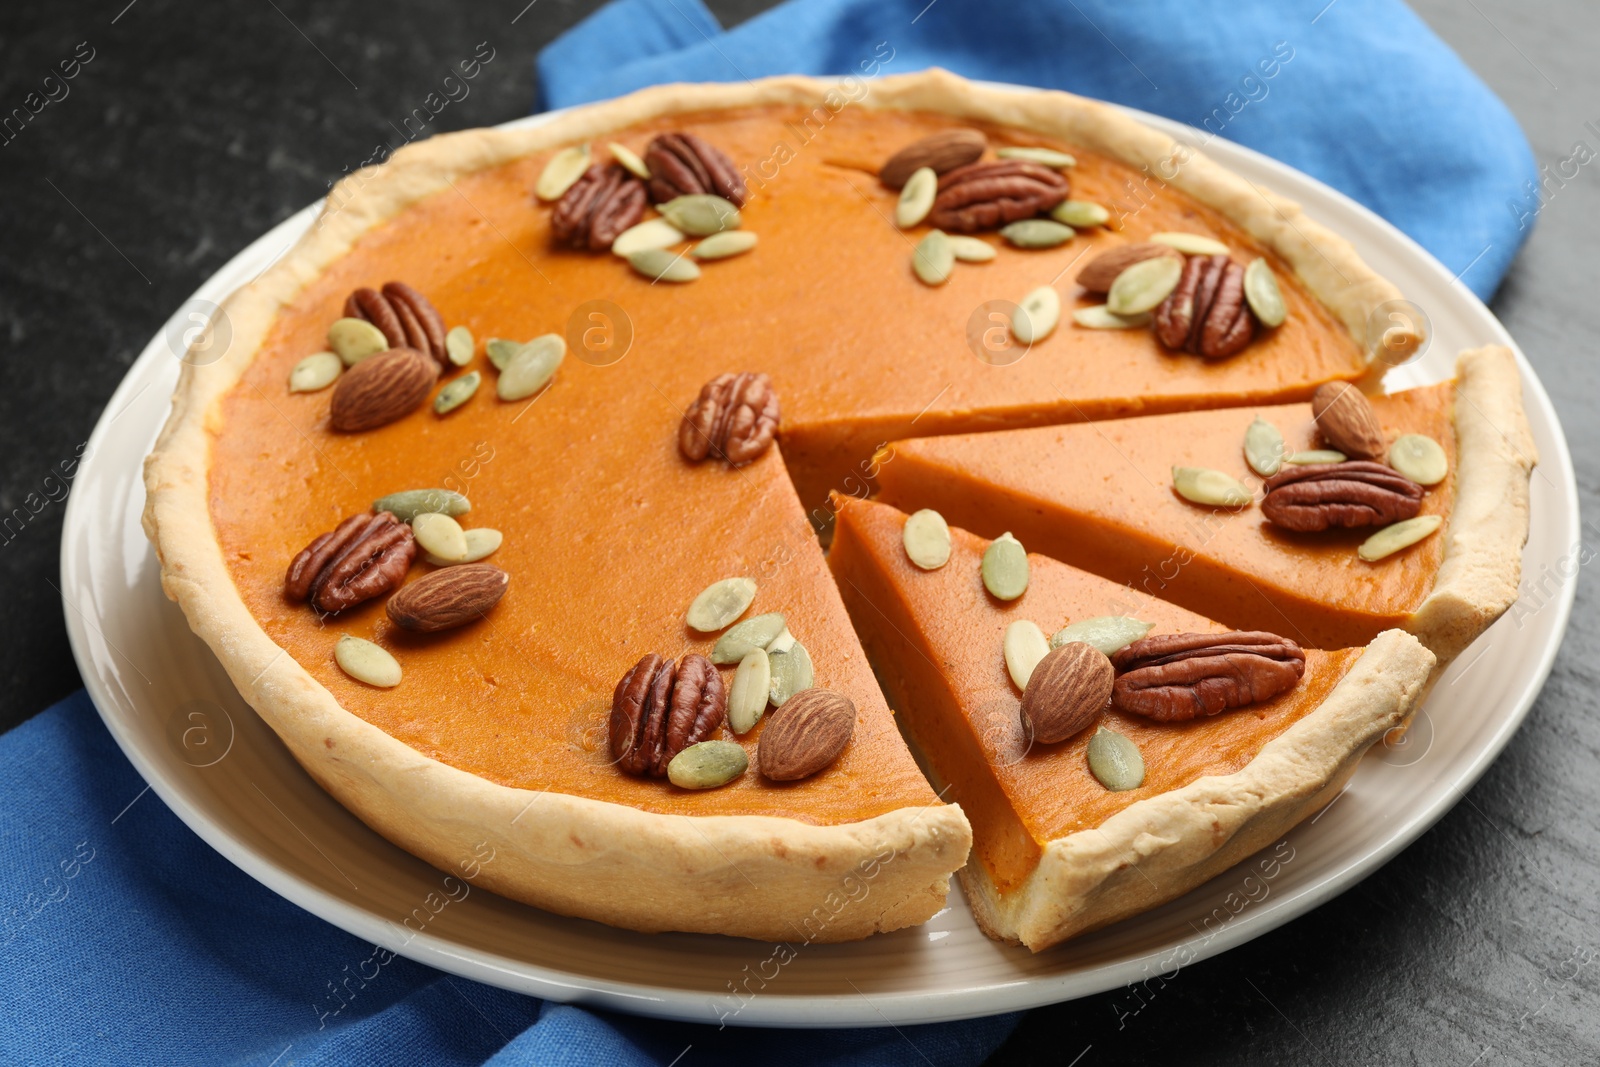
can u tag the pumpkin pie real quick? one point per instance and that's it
(1101, 497)
(1056, 853)
(539, 722)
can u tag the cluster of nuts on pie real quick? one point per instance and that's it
(600, 205)
(1358, 481)
(1069, 680)
(1197, 297)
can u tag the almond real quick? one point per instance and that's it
(1066, 692)
(1098, 274)
(381, 389)
(450, 597)
(806, 734)
(1346, 421)
(940, 152)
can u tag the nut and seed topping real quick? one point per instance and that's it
(1068, 690)
(1100, 317)
(1202, 485)
(629, 159)
(664, 265)
(531, 369)
(353, 340)
(735, 418)
(1419, 458)
(447, 598)
(1045, 157)
(685, 164)
(366, 662)
(661, 708)
(1005, 568)
(708, 765)
(725, 244)
(986, 196)
(933, 259)
(1036, 316)
(598, 207)
(409, 503)
(406, 318)
(563, 169)
(756, 632)
(481, 543)
(970, 249)
(1175, 677)
(1143, 286)
(1391, 539)
(365, 556)
(792, 672)
(1264, 448)
(651, 233)
(1080, 214)
(459, 345)
(747, 695)
(1262, 292)
(805, 735)
(1315, 455)
(1097, 275)
(1115, 761)
(926, 537)
(1107, 633)
(1037, 233)
(1347, 422)
(939, 152)
(381, 389)
(439, 535)
(1325, 495)
(719, 604)
(1207, 313)
(916, 198)
(701, 214)
(1191, 244)
(315, 372)
(456, 393)
(1024, 645)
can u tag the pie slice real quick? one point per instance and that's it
(1100, 496)
(1057, 853)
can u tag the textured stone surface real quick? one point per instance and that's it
(195, 128)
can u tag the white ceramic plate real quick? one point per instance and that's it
(172, 709)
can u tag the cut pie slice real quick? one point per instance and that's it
(1056, 853)
(1101, 497)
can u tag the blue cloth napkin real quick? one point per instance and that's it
(125, 939)
(1358, 93)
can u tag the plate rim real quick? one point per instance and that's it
(807, 1009)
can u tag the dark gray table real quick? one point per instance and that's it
(191, 129)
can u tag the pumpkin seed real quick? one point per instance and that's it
(1109, 634)
(724, 244)
(1045, 157)
(708, 765)
(1036, 316)
(927, 539)
(459, 345)
(1264, 448)
(456, 393)
(531, 369)
(562, 172)
(1080, 214)
(315, 372)
(700, 214)
(629, 159)
(1115, 761)
(747, 693)
(1202, 485)
(409, 503)
(1005, 567)
(366, 662)
(1315, 455)
(1262, 292)
(719, 604)
(933, 258)
(440, 535)
(916, 198)
(1191, 244)
(1024, 646)
(356, 339)
(970, 249)
(500, 351)
(1100, 317)
(661, 265)
(481, 543)
(754, 633)
(782, 643)
(651, 233)
(1038, 233)
(1419, 458)
(1144, 285)
(1391, 539)
(791, 673)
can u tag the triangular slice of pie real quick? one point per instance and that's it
(1101, 496)
(1055, 852)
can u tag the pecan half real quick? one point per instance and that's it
(365, 556)
(735, 417)
(598, 207)
(986, 196)
(1318, 496)
(683, 164)
(1207, 313)
(406, 317)
(1174, 677)
(661, 708)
